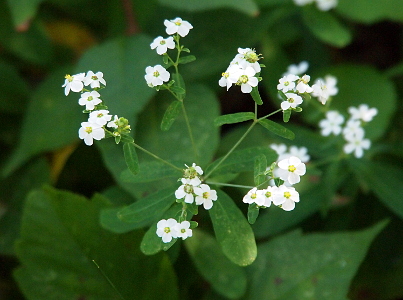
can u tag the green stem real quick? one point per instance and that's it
(109, 281)
(190, 132)
(157, 157)
(232, 149)
(229, 184)
(269, 115)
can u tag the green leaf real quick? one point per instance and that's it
(256, 96)
(286, 115)
(187, 59)
(202, 108)
(384, 179)
(150, 171)
(22, 11)
(170, 115)
(131, 158)
(60, 239)
(253, 213)
(241, 160)
(225, 277)
(177, 90)
(246, 6)
(360, 11)
(277, 129)
(326, 27)
(234, 118)
(233, 231)
(260, 167)
(149, 208)
(319, 265)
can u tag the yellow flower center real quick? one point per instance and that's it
(69, 77)
(88, 129)
(291, 100)
(206, 195)
(167, 230)
(156, 74)
(162, 42)
(243, 79)
(268, 194)
(177, 23)
(291, 168)
(253, 196)
(90, 98)
(94, 77)
(183, 230)
(287, 195)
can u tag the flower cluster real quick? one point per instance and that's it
(290, 170)
(99, 117)
(243, 71)
(157, 75)
(193, 190)
(168, 229)
(324, 5)
(353, 132)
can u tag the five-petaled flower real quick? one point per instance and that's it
(177, 25)
(162, 45)
(291, 169)
(167, 229)
(156, 75)
(90, 131)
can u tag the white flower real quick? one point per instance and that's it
(291, 169)
(247, 57)
(167, 229)
(90, 131)
(156, 75)
(183, 230)
(255, 196)
(299, 69)
(177, 26)
(230, 76)
(323, 89)
(293, 100)
(286, 197)
(100, 117)
(287, 83)
(279, 148)
(90, 99)
(245, 78)
(113, 123)
(205, 196)
(187, 191)
(162, 44)
(357, 144)
(332, 123)
(74, 83)
(301, 153)
(268, 194)
(94, 80)
(303, 2)
(326, 5)
(363, 112)
(303, 86)
(353, 127)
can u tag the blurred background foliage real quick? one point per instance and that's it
(335, 243)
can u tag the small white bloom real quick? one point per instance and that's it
(293, 100)
(303, 2)
(156, 75)
(326, 5)
(268, 194)
(281, 151)
(177, 26)
(286, 197)
(162, 44)
(324, 89)
(255, 196)
(230, 76)
(303, 86)
(113, 123)
(357, 144)
(247, 57)
(187, 191)
(74, 83)
(90, 131)
(291, 169)
(332, 123)
(353, 127)
(299, 69)
(94, 80)
(167, 229)
(100, 117)
(287, 83)
(245, 78)
(183, 230)
(205, 196)
(363, 112)
(90, 99)
(301, 153)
